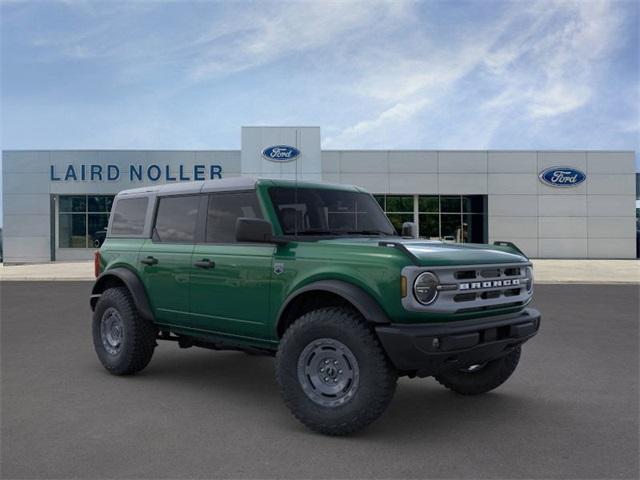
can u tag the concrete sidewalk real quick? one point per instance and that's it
(546, 271)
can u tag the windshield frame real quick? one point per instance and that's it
(383, 226)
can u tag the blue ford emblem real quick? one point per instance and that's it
(562, 177)
(281, 153)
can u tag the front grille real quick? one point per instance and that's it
(477, 288)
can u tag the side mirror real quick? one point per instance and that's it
(409, 229)
(253, 230)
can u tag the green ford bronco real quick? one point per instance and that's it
(317, 276)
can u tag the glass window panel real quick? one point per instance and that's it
(313, 211)
(176, 219)
(224, 210)
(72, 228)
(73, 203)
(101, 203)
(97, 228)
(397, 219)
(429, 204)
(475, 226)
(450, 204)
(451, 229)
(474, 203)
(380, 200)
(129, 216)
(397, 203)
(429, 226)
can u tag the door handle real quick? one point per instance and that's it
(204, 263)
(149, 260)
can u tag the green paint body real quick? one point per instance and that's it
(241, 298)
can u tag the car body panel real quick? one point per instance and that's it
(242, 296)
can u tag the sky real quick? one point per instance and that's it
(374, 74)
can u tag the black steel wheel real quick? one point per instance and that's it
(332, 372)
(123, 341)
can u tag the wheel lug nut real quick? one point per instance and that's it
(335, 362)
(339, 371)
(326, 362)
(335, 380)
(326, 379)
(322, 369)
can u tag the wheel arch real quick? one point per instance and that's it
(123, 277)
(328, 293)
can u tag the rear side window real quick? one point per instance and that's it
(176, 219)
(224, 210)
(129, 215)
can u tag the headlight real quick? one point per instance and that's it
(425, 288)
(529, 279)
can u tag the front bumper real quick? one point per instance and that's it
(428, 349)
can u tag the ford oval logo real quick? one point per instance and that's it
(281, 153)
(562, 177)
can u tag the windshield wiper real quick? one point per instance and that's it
(344, 232)
(370, 232)
(319, 232)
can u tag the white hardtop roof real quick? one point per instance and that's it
(220, 185)
(224, 185)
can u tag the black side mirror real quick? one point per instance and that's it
(254, 230)
(409, 229)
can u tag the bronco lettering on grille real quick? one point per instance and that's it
(489, 284)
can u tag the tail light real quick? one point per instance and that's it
(96, 263)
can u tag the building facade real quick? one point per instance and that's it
(552, 204)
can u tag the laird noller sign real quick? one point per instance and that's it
(133, 173)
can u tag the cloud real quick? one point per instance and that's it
(395, 74)
(539, 60)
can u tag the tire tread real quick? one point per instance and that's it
(341, 318)
(141, 331)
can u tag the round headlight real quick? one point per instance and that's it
(529, 280)
(425, 288)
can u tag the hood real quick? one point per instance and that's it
(436, 253)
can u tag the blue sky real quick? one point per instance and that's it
(402, 74)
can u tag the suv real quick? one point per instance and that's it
(316, 276)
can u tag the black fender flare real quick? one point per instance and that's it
(132, 281)
(356, 296)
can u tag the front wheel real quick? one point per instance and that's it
(332, 372)
(481, 378)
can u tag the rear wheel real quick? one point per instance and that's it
(332, 372)
(123, 341)
(481, 378)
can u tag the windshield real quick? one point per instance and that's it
(316, 211)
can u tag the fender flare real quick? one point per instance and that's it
(132, 282)
(356, 296)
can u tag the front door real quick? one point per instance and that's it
(230, 281)
(165, 259)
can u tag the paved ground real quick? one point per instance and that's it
(546, 271)
(570, 411)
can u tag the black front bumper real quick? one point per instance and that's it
(428, 349)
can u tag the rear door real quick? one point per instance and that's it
(165, 259)
(230, 281)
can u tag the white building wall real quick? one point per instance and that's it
(29, 192)
(593, 220)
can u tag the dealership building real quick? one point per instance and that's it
(551, 204)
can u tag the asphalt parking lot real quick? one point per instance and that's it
(569, 411)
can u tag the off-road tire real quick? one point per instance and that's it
(377, 377)
(138, 337)
(490, 376)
